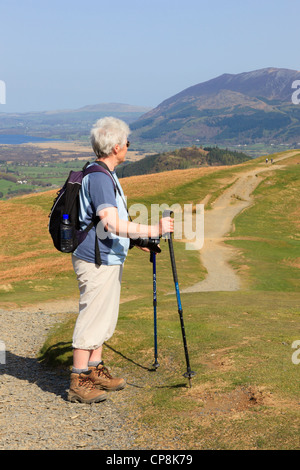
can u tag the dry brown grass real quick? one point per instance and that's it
(34, 269)
(26, 250)
(145, 185)
(293, 263)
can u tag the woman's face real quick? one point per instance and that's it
(121, 154)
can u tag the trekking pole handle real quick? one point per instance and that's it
(167, 213)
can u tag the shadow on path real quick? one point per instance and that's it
(30, 370)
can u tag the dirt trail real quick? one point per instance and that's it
(219, 221)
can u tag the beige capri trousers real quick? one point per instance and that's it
(100, 288)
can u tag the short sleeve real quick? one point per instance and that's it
(102, 191)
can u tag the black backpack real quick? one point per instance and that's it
(67, 202)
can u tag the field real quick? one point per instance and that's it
(30, 168)
(245, 394)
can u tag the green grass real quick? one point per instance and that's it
(39, 291)
(236, 340)
(246, 326)
(239, 343)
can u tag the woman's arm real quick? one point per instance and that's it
(112, 223)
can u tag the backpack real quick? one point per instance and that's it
(67, 202)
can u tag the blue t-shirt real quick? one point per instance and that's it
(96, 193)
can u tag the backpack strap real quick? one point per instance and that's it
(103, 165)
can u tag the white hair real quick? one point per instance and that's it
(106, 133)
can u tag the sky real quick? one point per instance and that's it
(65, 54)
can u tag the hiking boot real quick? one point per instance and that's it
(82, 389)
(104, 381)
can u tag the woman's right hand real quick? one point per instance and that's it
(166, 225)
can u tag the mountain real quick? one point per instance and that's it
(244, 108)
(180, 159)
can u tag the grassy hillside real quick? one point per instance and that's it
(246, 390)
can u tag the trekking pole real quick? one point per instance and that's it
(189, 373)
(153, 261)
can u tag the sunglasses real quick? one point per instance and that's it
(127, 143)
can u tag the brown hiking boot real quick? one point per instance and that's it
(104, 381)
(82, 389)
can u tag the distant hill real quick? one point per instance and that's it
(67, 124)
(181, 159)
(114, 108)
(231, 109)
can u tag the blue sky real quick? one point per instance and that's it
(64, 54)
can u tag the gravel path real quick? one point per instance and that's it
(34, 412)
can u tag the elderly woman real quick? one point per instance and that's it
(100, 285)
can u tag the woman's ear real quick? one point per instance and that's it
(116, 149)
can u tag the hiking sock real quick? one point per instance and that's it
(95, 363)
(79, 371)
